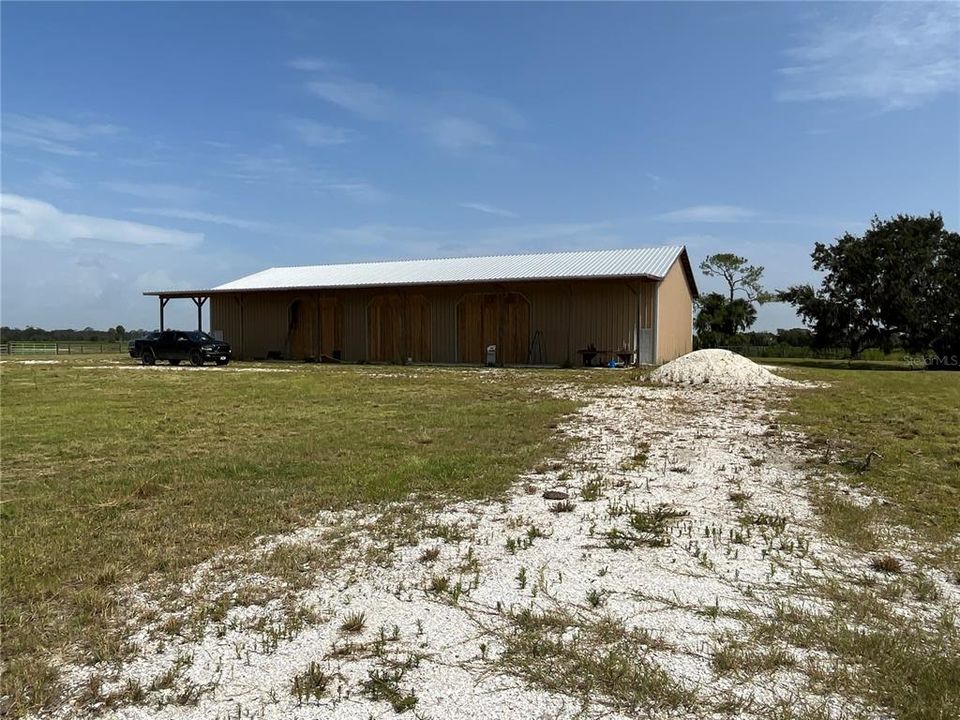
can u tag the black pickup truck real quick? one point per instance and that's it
(176, 346)
(135, 346)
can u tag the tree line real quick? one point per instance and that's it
(88, 334)
(896, 286)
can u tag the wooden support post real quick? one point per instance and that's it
(163, 304)
(199, 301)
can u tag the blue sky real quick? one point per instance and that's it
(155, 145)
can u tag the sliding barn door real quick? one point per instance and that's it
(516, 330)
(301, 332)
(330, 315)
(417, 328)
(399, 327)
(501, 319)
(384, 319)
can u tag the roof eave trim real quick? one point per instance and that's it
(555, 278)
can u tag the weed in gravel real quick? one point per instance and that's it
(429, 555)
(534, 532)
(901, 663)
(739, 658)
(592, 490)
(439, 584)
(311, 683)
(564, 506)
(293, 563)
(595, 598)
(448, 532)
(924, 589)
(775, 521)
(168, 678)
(354, 622)
(656, 520)
(603, 662)
(522, 578)
(638, 459)
(383, 683)
(649, 527)
(887, 564)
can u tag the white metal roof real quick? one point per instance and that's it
(653, 262)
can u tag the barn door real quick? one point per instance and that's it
(516, 330)
(399, 327)
(330, 315)
(300, 330)
(417, 328)
(501, 319)
(384, 329)
(469, 338)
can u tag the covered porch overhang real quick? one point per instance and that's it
(199, 298)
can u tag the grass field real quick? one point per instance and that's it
(111, 475)
(895, 435)
(911, 420)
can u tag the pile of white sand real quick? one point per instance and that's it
(716, 367)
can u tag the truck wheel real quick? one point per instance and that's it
(174, 362)
(196, 358)
(148, 357)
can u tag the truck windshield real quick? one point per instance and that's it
(200, 337)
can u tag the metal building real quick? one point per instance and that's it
(635, 305)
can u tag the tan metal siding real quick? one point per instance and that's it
(569, 314)
(675, 315)
(225, 319)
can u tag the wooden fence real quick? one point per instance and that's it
(62, 348)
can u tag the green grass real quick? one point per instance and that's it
(912, 419)
(905, 663)
(863, 646)
(604, 663)
(111, 476)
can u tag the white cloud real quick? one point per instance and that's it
(708, 214)
(153, 191)
(488, 209)
(273, 165)
(268, 165)
(205, 217)
(51, 135)
(35, 220)
(314, 64)
(360, 191)
(365, 99)
(895, 54)
(53, 179)
(316, 134)
(453, 120)
(457, 133)
(385, 241)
